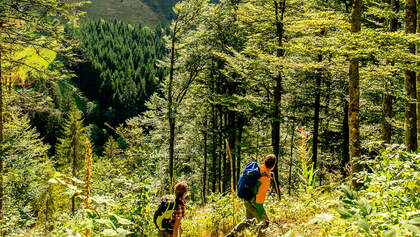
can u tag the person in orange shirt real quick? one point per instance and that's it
(254, 208)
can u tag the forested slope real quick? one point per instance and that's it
(119, 71)
(100, 119)
(148, 12)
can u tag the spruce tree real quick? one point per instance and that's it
(70, 147)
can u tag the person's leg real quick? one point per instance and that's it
(163, 233)
(251, 218)
(263, 226)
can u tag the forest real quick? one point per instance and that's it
(100, 118)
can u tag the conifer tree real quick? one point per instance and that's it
(24, 166)
(70, 147)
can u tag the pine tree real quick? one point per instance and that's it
(70, 147)
(121, 69)
(24, 167)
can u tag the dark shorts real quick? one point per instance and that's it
(164, 233)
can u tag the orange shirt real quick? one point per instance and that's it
(265, 185)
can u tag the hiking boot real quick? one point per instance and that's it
(230, 235)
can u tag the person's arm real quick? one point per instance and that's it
(176, 227)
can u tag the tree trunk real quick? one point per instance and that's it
(327, 104)
(387, 95)
(232, 144)
(205, 163)
(46, 217)
(171, 151)
(74, 168)
(418, 78)
(219, 165)
(410, 82)
(171, 116)
(386, 114)
(354, 92)
(393, 24)
(275, 126)
(239, 147)
(316, 116)
(1, 148)
(291, 152)
(225, 163)
(346, 142)
(213, 149)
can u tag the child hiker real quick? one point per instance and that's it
(170, 212)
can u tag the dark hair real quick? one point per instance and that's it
(270, 161)
(180, 189)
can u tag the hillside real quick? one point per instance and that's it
(116, 129)
(149, 12)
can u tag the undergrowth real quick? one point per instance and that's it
(387, 205)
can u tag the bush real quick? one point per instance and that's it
(389, 203)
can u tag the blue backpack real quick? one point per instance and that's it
(248, 180)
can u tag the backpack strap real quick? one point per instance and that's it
(264, 174)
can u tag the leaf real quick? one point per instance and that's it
(71, 233)
(415, 221)
(91, 214)
(348, 192)
(106, 222)
(349, 202)
(120, 220)
(76, 181)
(390, 233)
(109, 232)
(365, 207)
(344, 213)
(86, 224)
(123, 232)
(364, 225)
(413, 228)
(288, 234)
(124, 221)
(53, 181)
(101, 200)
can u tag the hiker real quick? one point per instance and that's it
(254, 197)
(174, 209)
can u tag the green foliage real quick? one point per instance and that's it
(390, 201)
(37, 27)
(25, 169)
(70, 146)
(96, 220)
(307, 171)
(138, 204)
(111, 149)
(120, 72)
(226, 61)
(222, 212)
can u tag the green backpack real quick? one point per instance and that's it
(163, 214)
